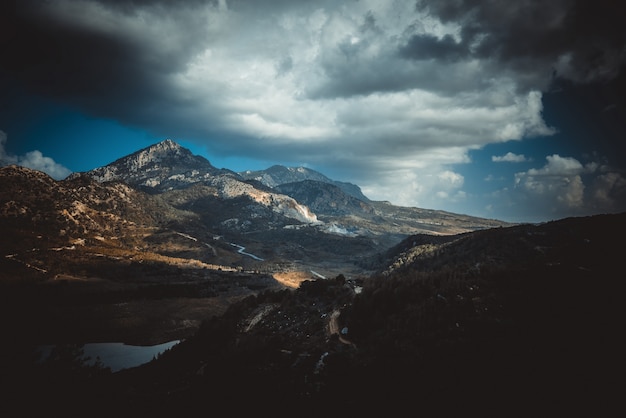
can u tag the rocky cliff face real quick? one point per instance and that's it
(230, 188)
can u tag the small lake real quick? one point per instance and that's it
(117, 356)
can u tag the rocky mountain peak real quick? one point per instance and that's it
(167, 151)
(162, 166)
(167, 166)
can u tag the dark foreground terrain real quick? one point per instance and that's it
(518, 321)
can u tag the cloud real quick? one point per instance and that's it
(609, 192)
(426, 46)
(33, 159)
(559, 180)
(386, 94)
(581, 41)
(509, 157)
(566, 187)
(426, 187)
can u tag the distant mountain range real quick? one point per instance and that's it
(278, 175)
(295, 192)
(293, 215)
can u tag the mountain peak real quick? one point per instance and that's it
(167, 145)
(163, 165)
(160, 150)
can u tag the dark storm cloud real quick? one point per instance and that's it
(117, 57)
(423, 47)
(579, 40)
(100, 59)
(530, 41)
(366, 61)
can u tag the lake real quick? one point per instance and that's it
(117, 356)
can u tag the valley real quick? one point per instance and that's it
(298, 296)
(142, 250)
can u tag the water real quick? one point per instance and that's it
(118, 356)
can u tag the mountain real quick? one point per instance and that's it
(163, 223)
(345, 208)
(167, 166)
(325, 198)
(263, 205)
(278, 175)
(157, 168)
(69, 246)
(70, 210)
(81, 228)
(170, 191)
(364, 308)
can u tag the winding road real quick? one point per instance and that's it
(242, 251)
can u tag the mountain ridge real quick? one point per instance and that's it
(139, 205)
(167, 166)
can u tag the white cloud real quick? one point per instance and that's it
(455, 180)
(37, 161)
(422, 187)
(32, 159)
(564, 186)
(558, 180)
(509, 157)
(558, 166)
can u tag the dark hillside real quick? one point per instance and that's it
(510, 320)
(519, 321)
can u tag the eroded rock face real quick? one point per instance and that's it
(231, 188)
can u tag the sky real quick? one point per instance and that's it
(509, 110)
